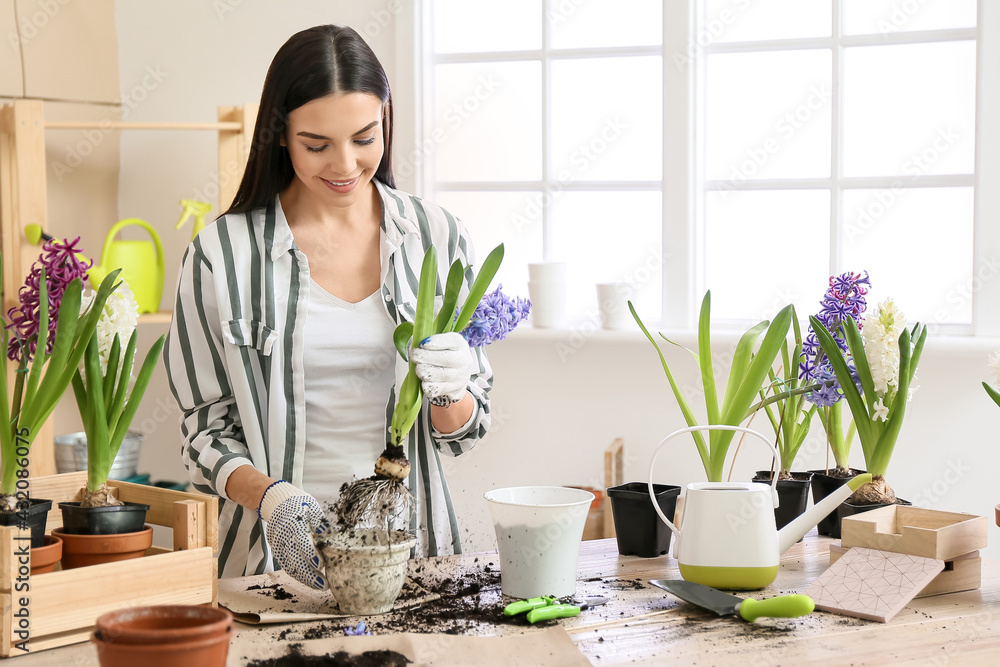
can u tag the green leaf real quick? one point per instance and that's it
(993, 393)
(479, 287)
(741, 360)
(857, 404)
(110, 379)
(445, 321)
(425, 297)
(401, 339)
(117, 402)
(98, 461)
(689, 418)
(705, 363)
(141, 382)
(857, 347)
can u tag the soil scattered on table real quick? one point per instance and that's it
(295, 658)
(275, 591)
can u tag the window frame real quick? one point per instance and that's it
(682, 184)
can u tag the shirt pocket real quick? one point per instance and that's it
(250, 333)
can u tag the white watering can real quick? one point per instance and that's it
(729, 538)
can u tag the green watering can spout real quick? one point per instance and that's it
(141, 262)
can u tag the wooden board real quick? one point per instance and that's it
(916, 531)
(872, 584)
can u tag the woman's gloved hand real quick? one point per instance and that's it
(443, 362)
(294, 519)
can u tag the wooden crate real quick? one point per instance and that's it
(63, 605)
(963, 573)
(915, 531)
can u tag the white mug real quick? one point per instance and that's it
(547, 272)
(612, 302)
(548, 304)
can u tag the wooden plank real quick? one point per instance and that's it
(188, 524)
(6, 636)
(128, 125)
(234, 149)
(613, 476)
(70, 600)
(161, 505)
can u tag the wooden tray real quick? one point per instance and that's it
(61, 606)
(964, 573)
(915, 531)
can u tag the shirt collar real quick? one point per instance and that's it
(394, 223)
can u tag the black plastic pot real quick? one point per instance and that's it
(127, 518)
(823, 485)
(34, 518)
(793, 495)
(846, 509)
(639, 529)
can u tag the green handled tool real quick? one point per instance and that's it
(724, 604)
(547, 608)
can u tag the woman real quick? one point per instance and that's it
(280, 352)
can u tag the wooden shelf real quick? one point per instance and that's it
(161, 317)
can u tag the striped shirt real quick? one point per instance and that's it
(234, 362)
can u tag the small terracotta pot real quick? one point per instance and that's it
(44, 558)
(163, 636)
(82, 550)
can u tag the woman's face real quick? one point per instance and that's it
(335, 144)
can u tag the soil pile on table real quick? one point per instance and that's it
(295, 658)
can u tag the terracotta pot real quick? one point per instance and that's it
(82, 550)
(163, 636)
(44, 558)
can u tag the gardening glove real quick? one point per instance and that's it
(294, 519)
(443, 362)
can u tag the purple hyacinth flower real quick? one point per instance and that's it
(62, 266)
(845, 297)
(496, 316)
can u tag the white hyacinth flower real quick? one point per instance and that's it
(995, 367)
(881, 331)
(120, 316)
(881, 412)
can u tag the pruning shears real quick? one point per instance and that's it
(547, 607)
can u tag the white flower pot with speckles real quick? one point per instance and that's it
(366, 569)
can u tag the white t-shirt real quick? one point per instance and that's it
(349, 359)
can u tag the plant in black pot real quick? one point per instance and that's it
(748, 373)
(845, 297)
(46, 344)
(790, 416)
(107, 406)
(885, 355)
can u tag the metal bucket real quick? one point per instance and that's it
(71, 454)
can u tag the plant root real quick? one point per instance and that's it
(374, 502)
(103, 497)
(874, 492)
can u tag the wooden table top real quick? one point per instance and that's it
(953, 629)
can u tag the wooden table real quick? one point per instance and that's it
(955, 629)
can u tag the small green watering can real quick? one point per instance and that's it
(141, 263)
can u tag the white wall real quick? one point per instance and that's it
(560, 397)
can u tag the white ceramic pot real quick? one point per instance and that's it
(366, 569)
(538, 529)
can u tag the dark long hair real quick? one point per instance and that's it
(314, 63)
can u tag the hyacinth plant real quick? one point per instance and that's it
(47, 343)
(747, 375)
(995, 369)
(844, 298)
(481, 319)
(791, 414)
(885, 355)
(101, 388)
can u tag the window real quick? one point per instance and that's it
(753, 147)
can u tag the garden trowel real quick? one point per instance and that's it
(724, 604)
